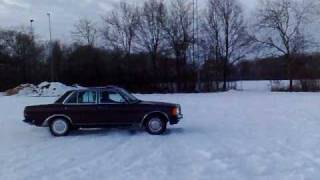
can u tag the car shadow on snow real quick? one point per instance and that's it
(130, 132)
(174, 131)
(103, 132)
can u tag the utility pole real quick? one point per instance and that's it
(195, 46)
(197, 31)
(50, 49)
(193, 32)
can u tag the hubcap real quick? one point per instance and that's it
(59, 126)
(155, 124)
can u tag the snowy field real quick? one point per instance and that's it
(234, 135)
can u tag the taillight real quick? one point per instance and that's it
(25, 114)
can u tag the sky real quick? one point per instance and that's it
(64, 14)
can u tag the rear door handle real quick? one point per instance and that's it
(101, 108)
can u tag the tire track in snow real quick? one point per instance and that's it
(51, 159)
(94, 162)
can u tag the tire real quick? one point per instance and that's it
(156, 125)
(59, 127)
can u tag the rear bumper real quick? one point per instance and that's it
(32, 122)
(29, 121)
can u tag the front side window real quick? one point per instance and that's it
(130, 98)
(109, 97)
(87, 97)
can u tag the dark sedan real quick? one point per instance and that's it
(102, 107)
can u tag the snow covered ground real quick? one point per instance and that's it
(234, 135)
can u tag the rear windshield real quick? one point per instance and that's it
(63, 97)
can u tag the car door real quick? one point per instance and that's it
(113, 109)
(87, 107)
(81, 107)
(71, 108)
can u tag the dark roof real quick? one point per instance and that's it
(99, 88)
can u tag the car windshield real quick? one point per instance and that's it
(129, 97)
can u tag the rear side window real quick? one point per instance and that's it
(72, 99)
(87, 97)
(63, 97)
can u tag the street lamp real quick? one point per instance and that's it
(31, 27)
(50, 49)
(195, 45)
(50, 31)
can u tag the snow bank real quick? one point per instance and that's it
(54, 89)
(44, 89)
(254, 85)
(262, 85)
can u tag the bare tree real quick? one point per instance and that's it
(281, 24)
(120, 27)
(22, 47)
(85, 31)
(210, 41)
(178, 28)
(226, 34)
(150, 30)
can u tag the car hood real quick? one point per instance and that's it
(158, 103)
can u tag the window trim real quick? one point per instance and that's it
(68, 97)
(80, 104)
(64, 99)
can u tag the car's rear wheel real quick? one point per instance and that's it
(59, 127)
(156, 125)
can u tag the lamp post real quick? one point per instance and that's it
(193, 31)
(195, 45)
(31, 27)
(50, 31)
(50, 49)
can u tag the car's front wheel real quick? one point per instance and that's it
(59, 127)
(156, 125)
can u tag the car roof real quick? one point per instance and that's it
(99, 88)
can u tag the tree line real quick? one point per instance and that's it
(167, 47)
